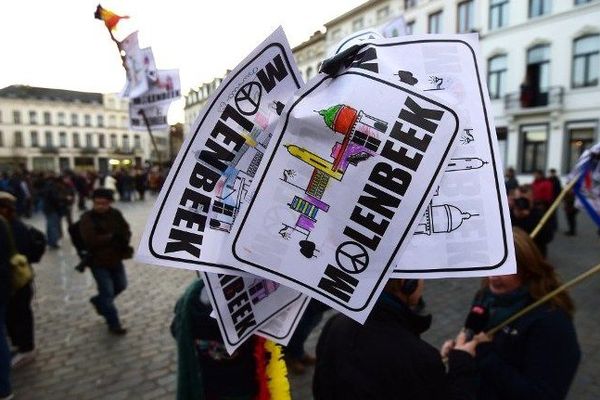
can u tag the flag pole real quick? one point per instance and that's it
(553, 207)
(544, 299)
(143, 114)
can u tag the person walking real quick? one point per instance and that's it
(106, 235)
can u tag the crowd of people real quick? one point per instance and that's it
(102, 232)
(533, 357)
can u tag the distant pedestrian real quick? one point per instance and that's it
(106, 235)
(571, 213)
(510, 181)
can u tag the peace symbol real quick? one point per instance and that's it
(247, 99)
(352, 257)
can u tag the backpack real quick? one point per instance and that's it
(38, 244)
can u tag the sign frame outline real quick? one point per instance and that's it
(404, 234)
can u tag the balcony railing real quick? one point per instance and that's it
(49, 150)
(89, 150)
(531, 99)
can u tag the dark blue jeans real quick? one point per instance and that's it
(53, 228)
(110, 282)
(310, 319)
(4, 355)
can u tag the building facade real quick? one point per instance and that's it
(45, 129)
(541, 59)
(195, 101)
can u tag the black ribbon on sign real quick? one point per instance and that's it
(344, 58)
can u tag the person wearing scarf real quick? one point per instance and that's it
(386, 359)
(536, 356)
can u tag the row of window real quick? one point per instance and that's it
(89, 140)
(465, 15)
(585, 67)
(62, 121)
(534, 146)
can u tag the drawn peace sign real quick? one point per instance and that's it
(352, 257)
(247, 98)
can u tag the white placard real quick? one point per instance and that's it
(243, 304)
(209, 180)
(466, 230)
(281, 327)
(354, 167)
(155, 102)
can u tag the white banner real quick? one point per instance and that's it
(155, 102)
(354, 167)
(135, 62)
(209, 180)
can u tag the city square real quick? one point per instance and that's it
(366, 199)
(78, 359)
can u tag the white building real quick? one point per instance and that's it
(553, 45)
(53, 130)
(195, 100)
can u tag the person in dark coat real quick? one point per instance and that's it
(5, 387)
(19, 314)
(536, 356)
(385, 358)
(106, 235)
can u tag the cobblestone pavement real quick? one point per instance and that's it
(78, 359)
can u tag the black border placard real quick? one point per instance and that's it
(415, 215)
(243, 337)
(289, 332)
(493, 155)
(208, 109)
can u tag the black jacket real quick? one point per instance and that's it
(533, 358)
(386, 359)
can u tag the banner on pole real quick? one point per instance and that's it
(155, 101)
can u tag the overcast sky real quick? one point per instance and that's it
(59, 44)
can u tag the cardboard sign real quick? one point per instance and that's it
(209, 180)
(353, 169)
(243, 304)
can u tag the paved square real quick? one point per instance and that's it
(78, 359)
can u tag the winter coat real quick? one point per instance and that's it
(106, 236)
(533, 358)
(386, 359)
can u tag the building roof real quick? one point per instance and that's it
(315, 37)
(365, 6)
(39, 93)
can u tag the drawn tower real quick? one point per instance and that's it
(443, 218)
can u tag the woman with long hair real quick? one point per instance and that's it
(536, 356)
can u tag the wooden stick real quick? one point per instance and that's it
(553, 207)
(143, 114)
(544, 299)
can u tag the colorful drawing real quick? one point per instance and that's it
(359, 142)
(260, 289)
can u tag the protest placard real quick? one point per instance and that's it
(282, 326)
(209, 180)
(133, 59)
(155, 101)
(353, 168)
(466, 229)
(243, 304)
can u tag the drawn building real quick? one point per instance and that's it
(443, 218)
(359, 141)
